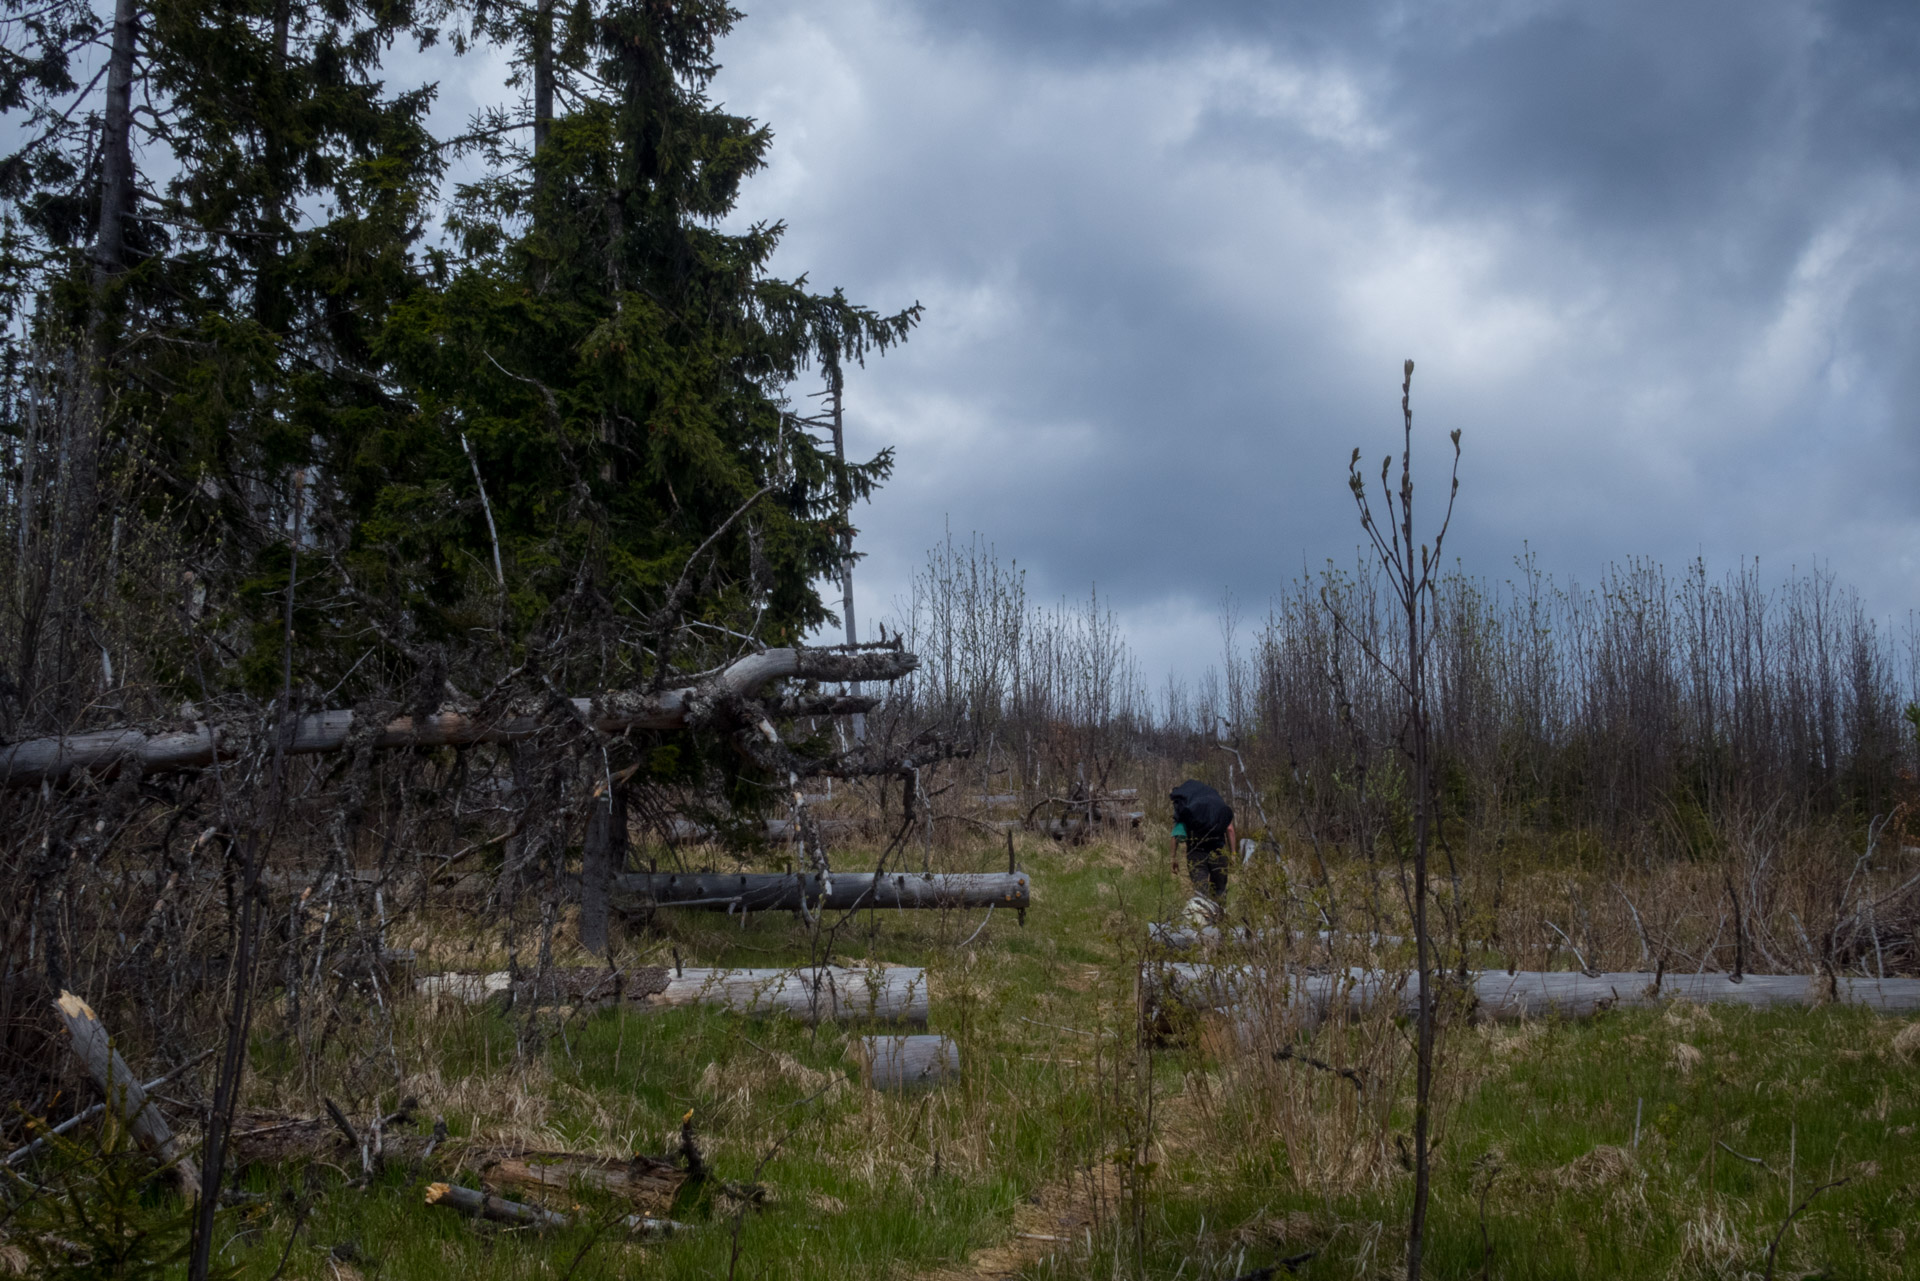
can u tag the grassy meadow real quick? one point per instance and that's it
(1645, 1143)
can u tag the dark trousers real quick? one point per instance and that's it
(1207, 869)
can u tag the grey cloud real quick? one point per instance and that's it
(1652, 258)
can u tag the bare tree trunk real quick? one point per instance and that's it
(836, 379)
(603, 855)
(116, 146)
(542, 74)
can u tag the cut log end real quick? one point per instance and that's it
(905, 1062)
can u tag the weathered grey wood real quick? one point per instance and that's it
(837, 891)
(1179, 937)
(603, 854)
(1499, 995)
(905, 1062)
(614, 712)
(774, 829)
(1531, 994)
(894, 994)
(649, 1182)
(897, 994)
(500, 1210)
(125, 1096)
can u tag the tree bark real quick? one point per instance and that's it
(602, 855)
(116, 147)
(542, 74)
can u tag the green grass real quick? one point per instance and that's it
(1055, 1083)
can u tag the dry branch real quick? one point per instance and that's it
(81, 1118)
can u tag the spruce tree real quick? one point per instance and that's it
(218, 313)
(618, 367)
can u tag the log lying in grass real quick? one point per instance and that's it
(905, 1062)
(649, 1183)
(897, 994)
(125, 1095)
(891, 994)
(485, 1206)
(1181, 937)
(838, 891)
(1498, 995)
(1532, 994)
(106, 751)
(774, 829)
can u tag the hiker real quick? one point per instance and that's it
(1203, 819)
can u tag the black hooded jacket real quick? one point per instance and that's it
(1205, 813)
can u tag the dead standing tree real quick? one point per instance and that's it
(1411, 569)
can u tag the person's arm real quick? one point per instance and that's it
(1173, 854)
(1233, 838)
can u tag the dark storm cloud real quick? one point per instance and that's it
(1657, 260)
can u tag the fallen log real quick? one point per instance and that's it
(105, 752)
(123, 1091)
(774, 829)
(810, 891)
(1181, 937)
(649, 1183)
(1498, 995)
(1575, 995)
(500, 1210)
(905, 1062)
(891, 994)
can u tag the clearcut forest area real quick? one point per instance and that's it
(452, 822)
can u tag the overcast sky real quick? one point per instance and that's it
(1660, 262)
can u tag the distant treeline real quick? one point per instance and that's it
(1561, 705)
(1640, 701)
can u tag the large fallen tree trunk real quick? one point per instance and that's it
(893, 994)
(811, 891)
(1498, 995)
(107, 751)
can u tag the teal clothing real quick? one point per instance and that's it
(1207, 869)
